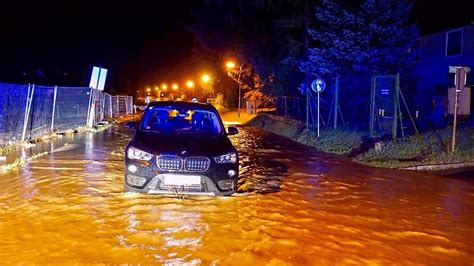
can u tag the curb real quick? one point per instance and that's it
(437, 167)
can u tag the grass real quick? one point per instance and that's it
(333, 141)
(424, 149)
(7, 149)
(433, 147)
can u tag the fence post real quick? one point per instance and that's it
(372, 107)
(336, 101)
(395, 111)
(54, 107)
(307, 107)
(29, 99)
(89, 109)
(117, 107)
(110, 107)
(25, 117)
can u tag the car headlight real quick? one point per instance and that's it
(226, 158)
(136, 154)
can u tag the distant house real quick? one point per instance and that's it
(436, 52)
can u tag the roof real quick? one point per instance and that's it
(180, 104)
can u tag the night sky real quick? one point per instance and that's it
(141, 42)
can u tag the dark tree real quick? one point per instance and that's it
(360, 36)
(267, 35)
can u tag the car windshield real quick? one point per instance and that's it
(181, 121)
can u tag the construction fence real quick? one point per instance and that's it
(29, 111)
(375, 103)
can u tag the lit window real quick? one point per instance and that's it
(454, 42)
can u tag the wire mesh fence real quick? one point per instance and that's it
(294, 107)
(12, 111)
(373, 102)
(122, 105)
(29, 111)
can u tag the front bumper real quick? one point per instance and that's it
(214, 182)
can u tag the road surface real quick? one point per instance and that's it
(306, 208)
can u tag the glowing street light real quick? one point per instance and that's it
(190, 84)
(148, 89)
(164, 86)
(230, 65)
(175, 86)
(206, 78)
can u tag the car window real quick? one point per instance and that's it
(177, 121)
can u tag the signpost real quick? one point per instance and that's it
(318, 85)
(459, 83)
(98, 77)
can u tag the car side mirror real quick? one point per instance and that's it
(131, 125)
(232, 131)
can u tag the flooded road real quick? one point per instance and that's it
(296, 207)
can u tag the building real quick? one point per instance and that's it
(435, 53)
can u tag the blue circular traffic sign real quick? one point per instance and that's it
(318, 85)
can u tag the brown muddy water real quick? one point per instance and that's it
(296, 207)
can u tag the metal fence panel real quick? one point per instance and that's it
(72, 106)
(107, 106)
(12, 111)
(291, 106)
(40, 112)
(29, 111)
(122, 105)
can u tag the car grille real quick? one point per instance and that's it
(196, 164)
(175, 163)
(169, 162)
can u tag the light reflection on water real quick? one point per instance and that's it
(68, 207)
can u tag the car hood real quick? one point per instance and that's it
(175, 144)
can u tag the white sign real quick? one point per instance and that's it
(147, 100)
(98, 77)
(318, 85)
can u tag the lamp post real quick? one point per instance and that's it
(190, 84)
(175, 87)
(231, 65)
(207, 79)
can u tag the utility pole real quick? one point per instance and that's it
(459, 83)
(240, 89)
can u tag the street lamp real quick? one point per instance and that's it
(231, 65)
(175, 86)
(164, 87)
(207, 79)
(148, 90)
(190, 84)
